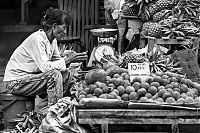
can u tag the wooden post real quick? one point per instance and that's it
(142, 43)
(122, 24)
(24, 11)
(151, 43)
(104, 128)
(23, 2)
(60, 4)
(175, 128)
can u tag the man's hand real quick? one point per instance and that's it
(75, 57)
(65, 50)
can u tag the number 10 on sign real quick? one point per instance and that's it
(138, 68)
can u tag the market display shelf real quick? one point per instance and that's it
(170, 42)
(191, 106)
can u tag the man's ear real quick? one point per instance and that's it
(54, 26)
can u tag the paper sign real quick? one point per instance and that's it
(130, 34)
(139, 69)
(108, 40)
(163, 49)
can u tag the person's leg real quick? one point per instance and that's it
(68, 81)
(50, 83)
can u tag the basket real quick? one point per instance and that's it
(13, 105)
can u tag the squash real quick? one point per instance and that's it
(115, 69)
(95, 75)
(107, 65)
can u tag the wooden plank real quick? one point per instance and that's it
(83, 10)
(122, 26)
(96, 9)
(129, 17)
(148, 121)
(171, 41)
(90, 45)
(91, 21)
(66, 5)
(87, 11)
(79, 18)
(101, 12)
(131, 116)
(142, 43)
(92, 12)
(61, 4)
(83, 20)
(23, 21)
(138, 112)
(87, 7)
(70, 9)
(104, 128)
(141, 132)
(65, 8)
(74, 18)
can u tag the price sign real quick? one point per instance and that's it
(138, 69)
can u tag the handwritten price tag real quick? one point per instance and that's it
(138, 69)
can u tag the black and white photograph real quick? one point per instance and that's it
(99, 66)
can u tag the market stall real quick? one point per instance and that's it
(156, 82)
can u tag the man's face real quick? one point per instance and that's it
(60, 31)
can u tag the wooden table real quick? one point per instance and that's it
(170, 42)
(105, 117)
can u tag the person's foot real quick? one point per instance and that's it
(40, 103)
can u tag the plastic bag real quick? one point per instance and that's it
(112, 8)
(61, 118)
(112, 4)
